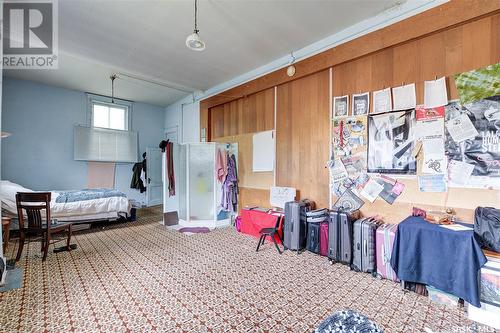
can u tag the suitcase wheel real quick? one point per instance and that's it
(331, 261)
(375, 275)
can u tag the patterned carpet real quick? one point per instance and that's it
(142, 277)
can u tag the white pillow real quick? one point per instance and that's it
(8, 192)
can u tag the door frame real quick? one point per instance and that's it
(148, 191)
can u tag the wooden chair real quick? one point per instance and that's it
(29, 207)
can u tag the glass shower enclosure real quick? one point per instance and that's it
(197, 186)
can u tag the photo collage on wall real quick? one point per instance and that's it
(444, 144)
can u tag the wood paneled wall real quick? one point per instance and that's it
(249, 114)
(457, 36)
(302, 136)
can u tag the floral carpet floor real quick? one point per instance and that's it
(144, 277)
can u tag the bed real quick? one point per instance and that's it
(76, 206)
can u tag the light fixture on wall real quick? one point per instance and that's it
(113, 77)
(290, 71)
(194, 41)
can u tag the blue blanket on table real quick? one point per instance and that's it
(446, 259)
(88, 194)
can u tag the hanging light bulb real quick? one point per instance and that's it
(194, 41)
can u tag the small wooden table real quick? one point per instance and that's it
(5, 232)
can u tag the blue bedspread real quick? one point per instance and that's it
(87, 194)
(448, 260)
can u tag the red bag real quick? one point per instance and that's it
(323, 239)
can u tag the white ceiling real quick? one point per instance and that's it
(147, 39)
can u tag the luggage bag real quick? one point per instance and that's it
(340, 237)
(363, 256)
(313, 237)
(323, 239)
(295, 224)
(384, 240)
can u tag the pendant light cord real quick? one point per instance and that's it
(113, 77)
(196, 16)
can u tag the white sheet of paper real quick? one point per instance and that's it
(435, 93)
(433, 145)
(382, 101)
(263, 151)
(461, 128)
(455, 227)
(429, 128)
(459, 172)
(404, 97)
(338, 172)
(280, 195)
(434, 164)
(371, 190)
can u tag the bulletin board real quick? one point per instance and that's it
(473, 152)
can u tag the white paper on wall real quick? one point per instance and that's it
(281, 195)
(459, 172)
(429, 128)
(371, 190)
(382, 101)
(404, 97)
(263, 151)
(461, 128)
(435, 93)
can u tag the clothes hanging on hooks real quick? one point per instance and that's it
(169, 163)
(221, 165)
(229, 200)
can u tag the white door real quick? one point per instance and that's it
(154, 181)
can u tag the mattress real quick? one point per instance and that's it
(99, 208)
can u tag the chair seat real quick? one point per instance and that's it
(267, 230)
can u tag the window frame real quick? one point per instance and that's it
(106, 101)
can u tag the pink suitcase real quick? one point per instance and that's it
(384, 240)
(323, 239)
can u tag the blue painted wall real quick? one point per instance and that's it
(39, 153)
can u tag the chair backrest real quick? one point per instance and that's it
(33, 203)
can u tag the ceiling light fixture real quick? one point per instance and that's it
(194, 41)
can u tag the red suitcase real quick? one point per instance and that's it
(323, 239)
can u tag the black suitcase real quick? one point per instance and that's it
(313, 237)
(340, 237)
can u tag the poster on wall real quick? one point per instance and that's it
(391, 138)
(341, 106)
(360, 104)
(349, 134)
(382, 100)
(478, 84)
(478, 146)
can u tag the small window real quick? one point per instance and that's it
(110, 116)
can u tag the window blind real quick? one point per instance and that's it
(104, 145)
